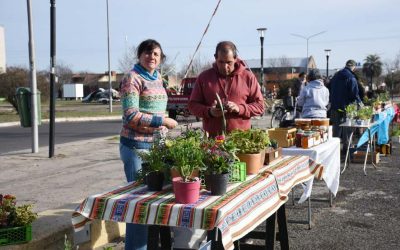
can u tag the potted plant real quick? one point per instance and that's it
(351, 112)
(15, 221)
(396, 134)
(154, 166)
(186, 156)
(219, 158)
(364, 115)
(250, 146)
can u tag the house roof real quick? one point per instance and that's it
(283, 62)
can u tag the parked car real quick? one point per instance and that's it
(101, 96)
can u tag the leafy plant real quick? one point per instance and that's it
(383, 97)
(274, 143)
(67, 243)
(154, 158)
(250, 141)
(365, 113)
(219, 155)
(12, 215)
(351, 110)
(396, 131)
(186, 155)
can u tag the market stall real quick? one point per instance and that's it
(244, 206)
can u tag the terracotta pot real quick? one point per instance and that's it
(186, 192)
(253, 162)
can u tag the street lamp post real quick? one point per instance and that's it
(327, 51)
(109, 67)
(261, 31)
(308, 38)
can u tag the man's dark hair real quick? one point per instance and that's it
(301, 74)
(225, 47)
(147, 46)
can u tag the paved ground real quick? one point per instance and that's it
(365, 215)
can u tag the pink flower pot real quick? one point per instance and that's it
(186, 192)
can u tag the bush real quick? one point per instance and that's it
(16, 77)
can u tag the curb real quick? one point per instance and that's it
(66, 119)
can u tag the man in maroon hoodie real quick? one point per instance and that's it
(237, 87)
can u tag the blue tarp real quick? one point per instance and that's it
(381, 127)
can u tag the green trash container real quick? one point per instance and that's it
(23, 96)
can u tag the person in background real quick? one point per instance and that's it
(144, 101)
(237, 87)
(314, 98)
(343, 91)
(301, 81)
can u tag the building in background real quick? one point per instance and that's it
(278, 70)
(2, 51)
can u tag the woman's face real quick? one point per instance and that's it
(150, 59)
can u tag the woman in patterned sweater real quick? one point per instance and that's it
(144, 101)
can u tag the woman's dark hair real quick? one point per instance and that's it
(147, 46)
(225, 47)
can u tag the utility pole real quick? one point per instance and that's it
(110, 97)
(52, 76)
(34, 103)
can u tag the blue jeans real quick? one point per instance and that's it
(136, 235)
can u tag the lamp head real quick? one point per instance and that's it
(327, 51)
(261, 31)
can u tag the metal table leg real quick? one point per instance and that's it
(309, 212)
(348, 152)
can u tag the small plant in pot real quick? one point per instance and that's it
(250, 146)
(15, 221)
(351, 112)
(153, 166)
(186, 156)
(364, 115)
(219, 156)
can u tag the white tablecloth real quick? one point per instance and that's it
(328, 155)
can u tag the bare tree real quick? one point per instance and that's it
(198, 65)
(128, 60)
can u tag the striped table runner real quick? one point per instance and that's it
(239, 211)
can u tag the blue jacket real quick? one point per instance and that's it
(314, 98)
(343, 89)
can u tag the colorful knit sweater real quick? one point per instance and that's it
(143, 105)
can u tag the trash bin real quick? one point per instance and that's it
(23, 96)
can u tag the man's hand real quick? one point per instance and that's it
(215, 111)
(169, 123)
(232, 107)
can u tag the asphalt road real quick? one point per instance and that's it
(16, 138)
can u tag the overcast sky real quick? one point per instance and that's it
(354, 29)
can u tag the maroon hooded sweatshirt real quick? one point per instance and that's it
(241, 87)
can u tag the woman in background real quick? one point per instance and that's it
(314, 97)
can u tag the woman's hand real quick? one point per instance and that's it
(169, 123)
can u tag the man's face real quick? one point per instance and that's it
(225, 63)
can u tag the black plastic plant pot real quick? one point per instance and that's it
(219, 183)
(207, 181)
(155, 181)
